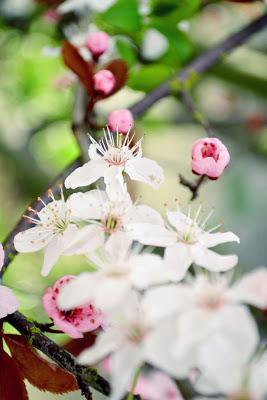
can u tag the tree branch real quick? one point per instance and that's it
(199, 65)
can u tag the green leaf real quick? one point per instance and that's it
(148, 77)
(122, 17)
(126, 51)
(174, 10)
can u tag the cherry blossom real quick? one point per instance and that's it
(74, 322)
(56, 233)
(186, 242)
(118, 268)
(104, 81)
(98, 43)
(109, 158)
(209, 157)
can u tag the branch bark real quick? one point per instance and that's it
(201, 64)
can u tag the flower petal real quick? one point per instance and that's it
(143, 214)
(214, 261)
(77, 292)
(115, 185)
(84, 240)
(118, 246)
(251, 289)
(8, 302)
(2, 256)
(180, 221)
(145, 170)
(31, 240)
(213, 239)
(147, 270)
(87, 174)
(177, 260)
(52, 252)
(124, 364)
(106, 343)
(151, 234)
(89, 205)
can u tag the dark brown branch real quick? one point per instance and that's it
(199, 65)
(192, 186)
(10, 251)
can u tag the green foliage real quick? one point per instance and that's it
(126, 50)
(174, 10)
(148, 77)
(122, 17)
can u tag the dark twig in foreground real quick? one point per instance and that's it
(192, 186)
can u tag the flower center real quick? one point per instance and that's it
(137, 333)
(209, 150)
(111, 224)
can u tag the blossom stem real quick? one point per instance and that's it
(133, 385)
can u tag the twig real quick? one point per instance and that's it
(79, 128)
(201, 64)
(193, 186)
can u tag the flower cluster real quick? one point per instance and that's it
(175, 309)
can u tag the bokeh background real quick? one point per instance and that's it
(36, 141)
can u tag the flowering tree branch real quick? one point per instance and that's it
(87, 377)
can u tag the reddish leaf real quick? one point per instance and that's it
(12, 386)
(83, 69)
(76, 346)
(120, 71)
(38, 371)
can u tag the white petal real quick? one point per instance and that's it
(180, 221)
(32, 239)
(115, 185)
(251, 289)
(111, 292)
(151, 234)
(93, 153)
(52, 252)
(213, 261)
(145, 170)
(147, 270)
(154, 45)
(87, 174)
(143, 214)
(8, 302)
(213, 239)
(89, 205)
(78, 291)
(177, 260)
(257, 380)
(2, 256)
(124, 364)
(106, 343)
(84, 240)
(118, 246)
(164, 301)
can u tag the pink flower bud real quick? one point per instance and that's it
(209, 157)
(74, 322)
(97, 43)
(121, 120)
(104, 81)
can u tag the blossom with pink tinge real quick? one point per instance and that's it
(104, 81)
(121, 120)
(98, 43)
(209, 157)
(74, 322)
(157, 385)
(51, 16)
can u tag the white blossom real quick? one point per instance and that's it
(154, 45)
(109, 158)
(186, 242)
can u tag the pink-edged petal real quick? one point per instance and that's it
(251, 289)
(105, 344)
(115, 185)
(145, 170)
(31, 240)
(87, 174)
(152, 234)
(2, 256)
(213, 239)
(84, 240)
(89, 205)
(8, 302)
(52, 252)
(143, 214)
(213, 261)
(68, 328)
(177, 260)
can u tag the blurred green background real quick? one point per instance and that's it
(36, 141)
